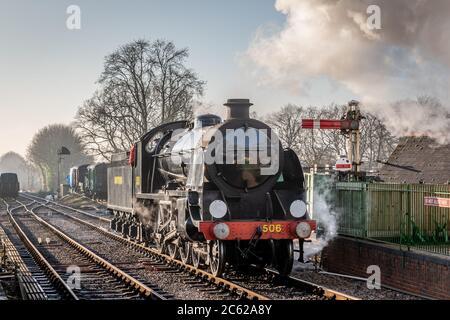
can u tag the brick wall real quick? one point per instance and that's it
(416, 272)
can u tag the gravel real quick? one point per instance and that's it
(353, 287)
(261, 282)
(95, 282)
(182, 286)
(150, 271)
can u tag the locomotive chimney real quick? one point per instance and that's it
(238, 108)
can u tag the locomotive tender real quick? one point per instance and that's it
(212, 192)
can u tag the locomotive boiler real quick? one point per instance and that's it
(213, 193)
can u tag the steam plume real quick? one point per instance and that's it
(408, 57)
(327, 219)
(147, 215)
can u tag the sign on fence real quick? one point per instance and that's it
(437, 202)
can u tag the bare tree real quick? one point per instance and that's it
(313, 146)
(286, 123)
(322, 147)
(28, 175)
(143, 84)
(43, 150)
(377, 143)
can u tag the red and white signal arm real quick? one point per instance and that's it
(343, 165)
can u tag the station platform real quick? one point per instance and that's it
(417, 272)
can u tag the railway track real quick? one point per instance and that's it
(74, 270)
(99, 220)
(127, 250)
(240, 285)
(32, 280)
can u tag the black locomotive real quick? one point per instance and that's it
(9, 185)
(212, 192)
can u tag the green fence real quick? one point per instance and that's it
(411, 215)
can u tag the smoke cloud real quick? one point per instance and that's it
(331, 39)
(326, 218)
(147, 215)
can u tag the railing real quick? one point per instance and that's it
(411, 215)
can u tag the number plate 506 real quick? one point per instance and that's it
(273, 228)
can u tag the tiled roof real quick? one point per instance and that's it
(418, 160)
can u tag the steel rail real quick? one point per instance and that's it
(382, 285)
(204, 275)
(30, 197)
(312, 287)
(244, 292)
(29, 287)
(53, 276)
(115, 271)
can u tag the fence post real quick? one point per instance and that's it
(366, 197)
(408, 214)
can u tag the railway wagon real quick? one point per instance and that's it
(246, 206)
(9, 185)
(73, 178)
(80, 178)
(96, 183)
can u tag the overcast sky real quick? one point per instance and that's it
(47, 71)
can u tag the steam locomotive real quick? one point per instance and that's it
(212, 193)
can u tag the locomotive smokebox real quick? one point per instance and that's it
(238, 108)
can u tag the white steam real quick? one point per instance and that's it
(326, 218)
(148, 215)
(424, 116)
(330, 39)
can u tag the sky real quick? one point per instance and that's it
(274, 52)
(47, 70)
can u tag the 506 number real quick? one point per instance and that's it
(272, 228)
